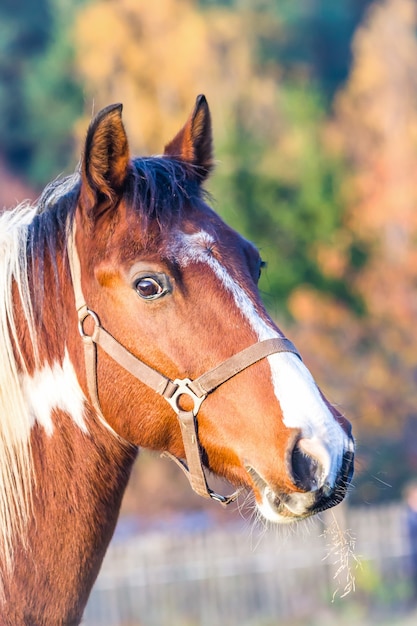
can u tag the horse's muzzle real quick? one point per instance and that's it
(314, 495)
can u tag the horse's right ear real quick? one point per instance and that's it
(105, 161)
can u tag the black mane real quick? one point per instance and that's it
(158, 188)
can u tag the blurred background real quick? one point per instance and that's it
(314, 107)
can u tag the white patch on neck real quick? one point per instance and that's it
(52, 388)
(301, 403)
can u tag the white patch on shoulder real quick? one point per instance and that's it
(301, 403)
(52, 388)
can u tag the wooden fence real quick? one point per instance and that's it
(237, 577)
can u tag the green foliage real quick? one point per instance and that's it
(273, 68)
(50, 87)
(39, 96)
(20, 41)
(312, 39)
(288, 209)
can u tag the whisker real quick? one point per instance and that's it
(341, 546)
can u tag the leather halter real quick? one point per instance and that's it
(172, 390)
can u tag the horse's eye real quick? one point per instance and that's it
(262, 264)
(149, 288)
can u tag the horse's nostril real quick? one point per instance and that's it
(310, 464)
(305, 469)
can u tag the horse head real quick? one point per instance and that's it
(167, 283)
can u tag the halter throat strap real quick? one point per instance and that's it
(172, 390)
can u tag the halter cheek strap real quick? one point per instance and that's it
(172, 390)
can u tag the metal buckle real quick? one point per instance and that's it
(184, 390)
(217, 497)
(82, 317)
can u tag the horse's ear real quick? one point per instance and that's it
(105, 161)
(193, 143)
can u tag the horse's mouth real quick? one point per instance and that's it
(281, 507)
(272, 505)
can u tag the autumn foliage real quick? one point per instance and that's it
(375, 124)
(322, 180)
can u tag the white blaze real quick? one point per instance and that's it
(301, 403)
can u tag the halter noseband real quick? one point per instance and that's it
(172, 390)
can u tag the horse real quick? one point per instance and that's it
(130, 317)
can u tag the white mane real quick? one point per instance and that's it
(15, 423)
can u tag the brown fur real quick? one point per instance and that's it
(80, 483)
(80, 477)
(193, 143)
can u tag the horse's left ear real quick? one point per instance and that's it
(193, 143)
(105, 162)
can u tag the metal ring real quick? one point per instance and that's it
(184, 390)
(88, 313)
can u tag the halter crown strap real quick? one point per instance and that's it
(171, 390)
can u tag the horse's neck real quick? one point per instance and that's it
(78, 470)
(80, 480)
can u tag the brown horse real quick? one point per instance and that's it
(130, 316)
